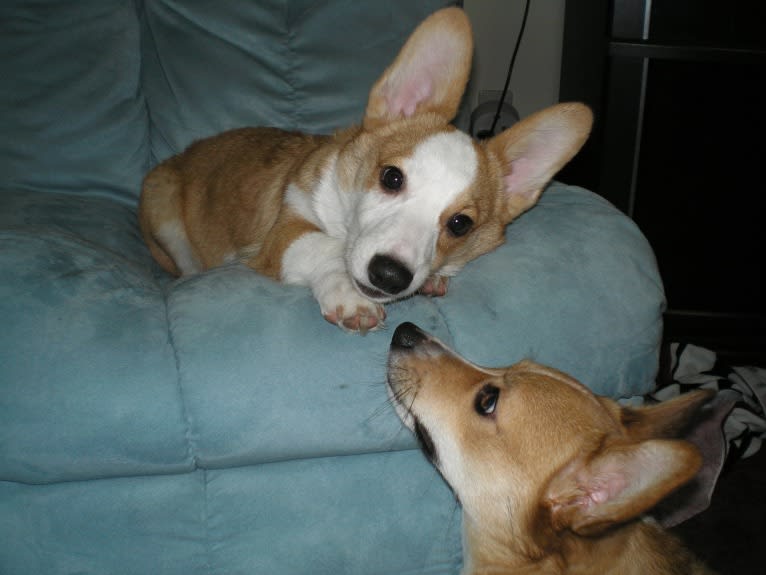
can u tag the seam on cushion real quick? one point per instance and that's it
(289, 71)
(140, 21)
(445, 320)
(153, 132)
(206, 523)
(190, 449)
(145, 29)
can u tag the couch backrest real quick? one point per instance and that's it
(72, 117)
(94, 92)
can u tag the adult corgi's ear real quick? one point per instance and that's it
(429, 74)
(619, 483)
(533, 150)
(666, 419)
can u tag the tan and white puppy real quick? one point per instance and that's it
(375, 212)
(552, 478)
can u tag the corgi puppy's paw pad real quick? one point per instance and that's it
(435, 286)
(345, 307)
(364, 318)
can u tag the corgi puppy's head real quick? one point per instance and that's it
(430, 197)
(542, 466)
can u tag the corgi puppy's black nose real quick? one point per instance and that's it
(388, 275)
(407, 336)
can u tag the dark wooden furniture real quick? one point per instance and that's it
(679, 144)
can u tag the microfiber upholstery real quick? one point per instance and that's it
(211, 66)
(73, 117)
(217, 424)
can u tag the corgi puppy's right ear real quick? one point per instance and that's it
(429, 74)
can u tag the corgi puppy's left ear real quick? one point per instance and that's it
(625, 479)
(533, 150)
(430, 73)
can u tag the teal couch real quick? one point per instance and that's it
(217, 424)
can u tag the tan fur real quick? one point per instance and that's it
(225, 204)
(556, 479)
(385, 92)
(227, 198)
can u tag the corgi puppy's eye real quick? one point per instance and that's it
(391, 178)
(459, 225)
(486, 400)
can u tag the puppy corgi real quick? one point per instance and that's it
(373, 213)
(552, 478)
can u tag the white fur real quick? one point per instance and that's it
(363, 223)
(405, 225)
(316, 259)
(172, 237)
(312, 256)
(327, 206)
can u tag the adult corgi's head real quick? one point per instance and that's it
(533, 455)
(431, 198)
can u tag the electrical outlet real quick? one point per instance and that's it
(493, 96)
(483, 123)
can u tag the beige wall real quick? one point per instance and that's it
(535, 80)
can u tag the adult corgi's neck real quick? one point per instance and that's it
(637, 548)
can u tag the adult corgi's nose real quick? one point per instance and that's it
(407, 336)
(388, 275)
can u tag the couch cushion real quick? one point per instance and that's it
(107, 367)
(130, 526)
(88, 384)
(575, 286)
(73, 116)
(335, 515)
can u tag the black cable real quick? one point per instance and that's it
(510, 68)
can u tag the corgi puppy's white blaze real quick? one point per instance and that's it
(375, 212)
(552, 478)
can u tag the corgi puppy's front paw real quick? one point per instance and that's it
(435, 286)
(361, 318)
(349, 310)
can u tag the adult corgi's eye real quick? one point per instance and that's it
(459, 225)
(485, 402)
(391, 178)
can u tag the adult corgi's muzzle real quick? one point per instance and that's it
(402, 388)
(410, 358)
(407, 336)
(427, 382)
